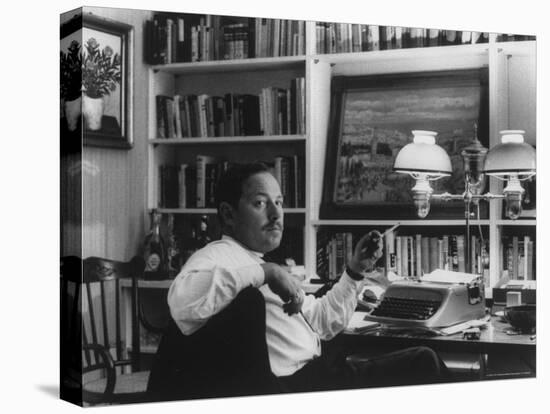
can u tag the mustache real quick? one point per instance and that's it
(274, 226)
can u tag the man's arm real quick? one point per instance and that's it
(331, 313)
(202, 289)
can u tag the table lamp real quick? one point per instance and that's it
(512, 161)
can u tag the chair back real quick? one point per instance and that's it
(91, 317)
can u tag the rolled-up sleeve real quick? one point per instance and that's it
(331, 313)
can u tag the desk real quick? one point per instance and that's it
(517, 352)
(498, 347)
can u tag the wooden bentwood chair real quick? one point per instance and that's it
(95, 366)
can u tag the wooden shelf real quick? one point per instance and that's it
(228, 140)
(216, 66)
(401, 222)
(530, 222)
(296, 210)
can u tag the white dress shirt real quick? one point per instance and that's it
(215, 274)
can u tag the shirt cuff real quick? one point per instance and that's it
(357, 284)
(251, 275)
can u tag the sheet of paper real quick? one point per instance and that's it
(358, 323)
(447, 276)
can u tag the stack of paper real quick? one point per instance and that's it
(358, 324)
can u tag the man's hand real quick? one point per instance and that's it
(367, 252)
(285, 286)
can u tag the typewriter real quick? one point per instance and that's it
(430, 304)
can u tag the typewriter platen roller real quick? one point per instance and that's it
(429, 304)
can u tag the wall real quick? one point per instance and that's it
(114, 180)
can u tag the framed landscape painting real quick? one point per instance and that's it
(371, 120)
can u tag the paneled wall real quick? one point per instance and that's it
(114, 180)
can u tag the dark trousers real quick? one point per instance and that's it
(416, 365)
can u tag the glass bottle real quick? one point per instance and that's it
(173, 251)
(154, 249)
(202, 237)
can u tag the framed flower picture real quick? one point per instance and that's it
(371, 120)
(96, 60)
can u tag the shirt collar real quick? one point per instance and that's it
(252, 252)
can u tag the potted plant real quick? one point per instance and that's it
(100, 75)
(71, 84)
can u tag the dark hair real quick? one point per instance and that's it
(229, 188)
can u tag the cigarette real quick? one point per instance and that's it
(391, 229)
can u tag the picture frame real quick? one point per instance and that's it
(96, 81)
(371, 119)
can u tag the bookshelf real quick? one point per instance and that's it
(506, 58)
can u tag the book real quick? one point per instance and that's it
(373, 38)
(461, 253)
(434, 253)
(425, 255)
(515, 255)
(530, 254)
(169, 186)
(177, 116)
(433, 37)
(389, 246)
(182, 184)
(405, 256)
(201, 163)
(418, 254)
(398, 253)
(162, 115)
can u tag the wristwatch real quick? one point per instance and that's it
(354, 275)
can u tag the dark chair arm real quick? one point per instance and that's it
(107, 364)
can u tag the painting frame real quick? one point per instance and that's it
(115, 128)
(387, 90)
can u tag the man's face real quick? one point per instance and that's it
(258, 221)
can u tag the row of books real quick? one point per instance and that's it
(275, 111)
(518, 257)
(510, 37)
(404, 255)
(192, 185)
(185, 37)
(348, 37)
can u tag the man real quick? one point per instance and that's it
(213, 294)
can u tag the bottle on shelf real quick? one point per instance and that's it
(202, 237)
(173, 251)
(154, 250)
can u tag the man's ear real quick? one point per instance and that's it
(227, 213)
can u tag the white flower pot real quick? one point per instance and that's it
(92, 110)
(73, 110)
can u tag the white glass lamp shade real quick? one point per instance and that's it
(423, 156)
(511, 156)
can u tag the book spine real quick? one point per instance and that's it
(425, 253)
(515, 255)
(203, 121)
(530, 270)
(461, 253)
(373, 38)
(398, 265)
(161, 118)
(182, 202)
(405, 256)
(201, 181)
(177, 116)
(434, 254)
(389, 246)
(418, 252)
